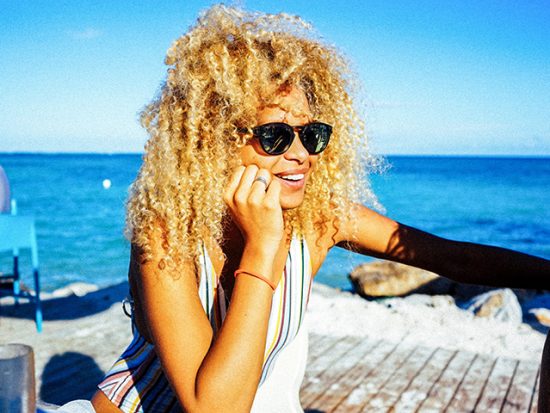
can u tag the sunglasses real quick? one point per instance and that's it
(277, 137)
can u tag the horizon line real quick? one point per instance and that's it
(420, 154)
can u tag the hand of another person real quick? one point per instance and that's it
(253, 199)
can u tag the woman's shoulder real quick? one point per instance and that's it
(359, 226)
(321, 239)
(151, 262)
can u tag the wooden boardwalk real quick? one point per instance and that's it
(357, 375)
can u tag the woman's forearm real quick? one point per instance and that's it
(229, 375)
(494, 266)
(468, 262)
(207, 373)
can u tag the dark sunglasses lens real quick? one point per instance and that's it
(315, 137)
(275, 138)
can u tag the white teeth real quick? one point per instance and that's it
(292, 177)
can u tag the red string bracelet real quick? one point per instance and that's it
(258, 276)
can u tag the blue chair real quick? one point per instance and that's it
(18, 232)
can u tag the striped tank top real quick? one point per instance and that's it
(136, 382)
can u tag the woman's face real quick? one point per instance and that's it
(292, 168)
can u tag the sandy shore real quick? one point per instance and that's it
(434, 321)
(85, 330)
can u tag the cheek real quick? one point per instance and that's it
(250, 156)
(247, 154)
(313, 160)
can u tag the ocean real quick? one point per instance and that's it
(501, 201)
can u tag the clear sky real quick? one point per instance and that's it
(440, 77)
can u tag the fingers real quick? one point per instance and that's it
(247, 185)
(260, 184)
(273, 193)
(232, 185)
(252, 196)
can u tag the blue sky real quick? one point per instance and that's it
(439, 77)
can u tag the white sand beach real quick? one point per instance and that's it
(85, 330)
(433, 321)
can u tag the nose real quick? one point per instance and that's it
(296, 152)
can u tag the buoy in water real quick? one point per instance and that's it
(106, 183)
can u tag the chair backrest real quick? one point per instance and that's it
(17, 231)
(4, 192)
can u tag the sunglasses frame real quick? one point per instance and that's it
(256, 132)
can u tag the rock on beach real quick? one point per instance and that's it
(385, 279)
(500, 305)
(390, 279)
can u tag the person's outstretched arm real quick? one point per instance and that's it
(373, 234)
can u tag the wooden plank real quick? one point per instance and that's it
(327, 359)
(319, 345)
(337, 391)
(535, 399)
(494, 393)
(444, 389)
(473, 383)
(398, 382)
(521, 390)
(361, 394)
(332, 375)
(420, 386)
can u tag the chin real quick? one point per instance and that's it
(291, 202)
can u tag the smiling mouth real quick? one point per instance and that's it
(291, 178)
(292, 182)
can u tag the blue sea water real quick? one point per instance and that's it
(499, 201)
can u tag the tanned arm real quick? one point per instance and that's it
(465, 262)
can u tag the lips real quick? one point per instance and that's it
(293, 179)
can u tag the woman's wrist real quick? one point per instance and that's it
(264, 250)
(259, 259)
(258, 276)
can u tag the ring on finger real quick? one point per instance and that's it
(262, 179)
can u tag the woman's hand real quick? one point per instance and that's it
(253, 199)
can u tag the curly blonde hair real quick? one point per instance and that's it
(219, 73)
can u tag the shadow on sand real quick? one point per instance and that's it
(71, 307)
(56, 389)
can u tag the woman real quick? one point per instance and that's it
(238, 201)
